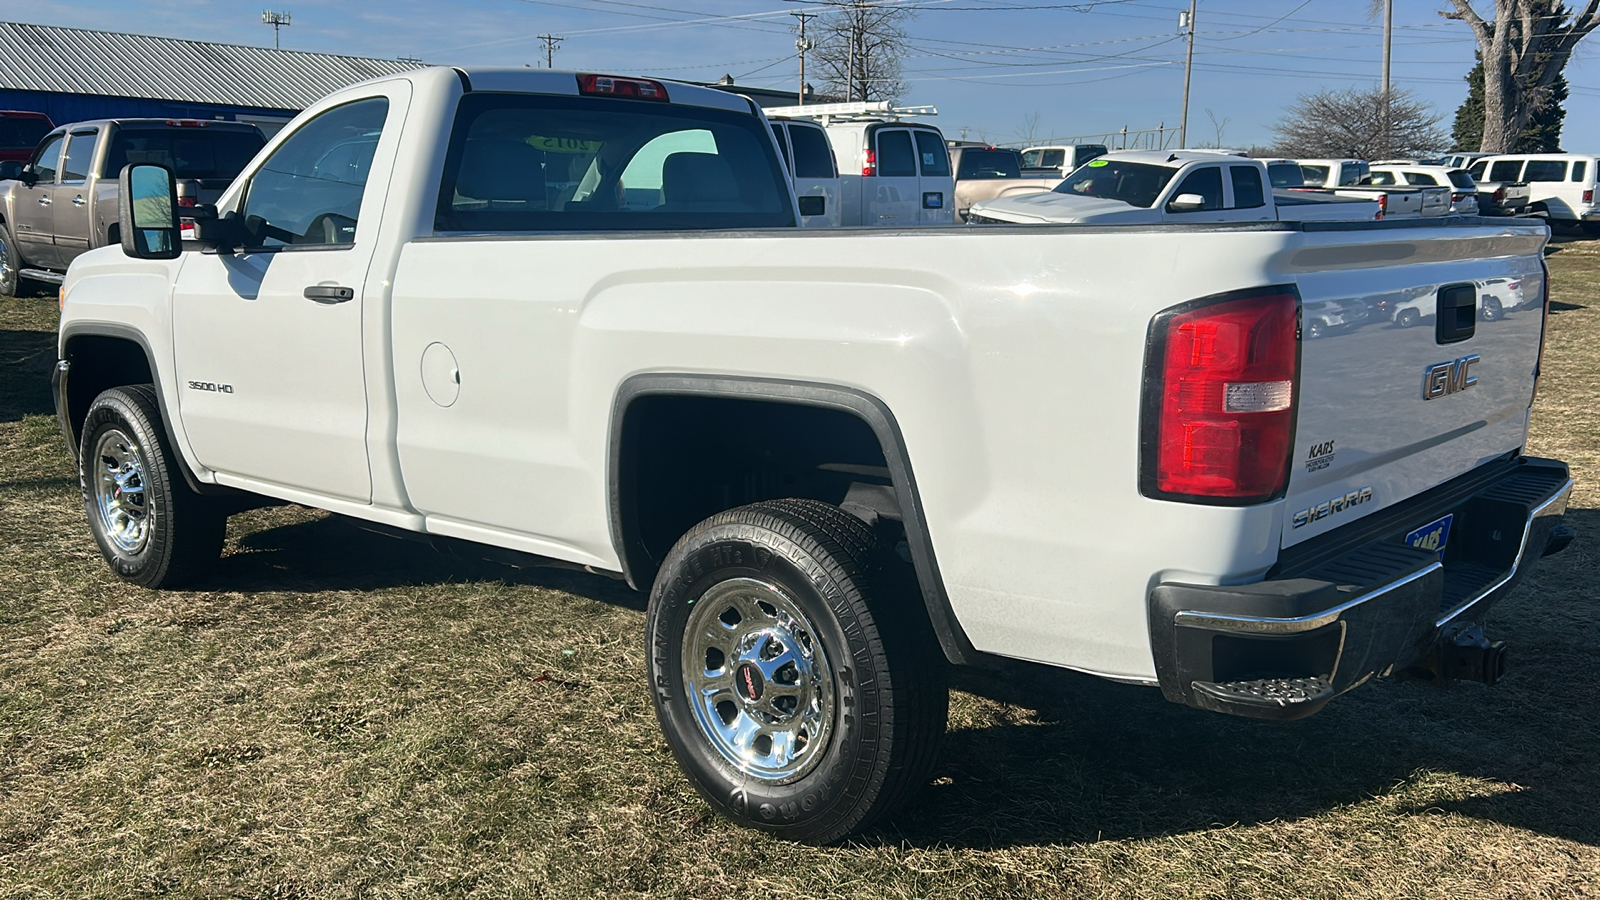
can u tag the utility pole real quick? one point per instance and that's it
(1388, 36)
(550, 44)
(803, 44)
(1188, 66)
(277, 20)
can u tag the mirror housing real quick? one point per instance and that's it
(225, 233)
(1186, 203)
(147, 204)
(10, 170)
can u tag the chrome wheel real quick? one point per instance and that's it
(118, 470)
(8, 273)
(758, 679)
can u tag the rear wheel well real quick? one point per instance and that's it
(683, 459)
(99, 363)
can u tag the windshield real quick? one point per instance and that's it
(1285, 175)
(1136, 184)
(189, 152)
(983, 164)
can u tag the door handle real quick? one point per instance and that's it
(78, 200)
(323, 293)
(44, 201)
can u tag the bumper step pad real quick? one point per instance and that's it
(1262, 693)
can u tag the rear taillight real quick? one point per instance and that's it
(1457, 198)
(869, 166)
(186, 201)
(612, 86)
(187, 123)
(1383, 205)
(1500, 195)
(1218, 420)
(1588, 196)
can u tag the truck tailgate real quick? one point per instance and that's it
(1386, 412)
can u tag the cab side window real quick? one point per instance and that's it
(47, 159)
(308, 192)
(80, 151)
(1247, 190)
(1207, 182)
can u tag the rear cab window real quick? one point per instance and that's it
(1314, 176)
(1085, 152)
(1285, 175)
(198, 152)
(528, 162)
(20, 133)
(979, 164)
(1462, 179)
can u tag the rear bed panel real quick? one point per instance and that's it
(1365, 436)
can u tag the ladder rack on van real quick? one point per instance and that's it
(860, 111)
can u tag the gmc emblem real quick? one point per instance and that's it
(1444, 378)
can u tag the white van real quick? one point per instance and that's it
(893, 173)
(808, 156)
(1561, 185)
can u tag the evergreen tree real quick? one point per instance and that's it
(1543, 134)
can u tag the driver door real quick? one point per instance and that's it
(268, 337)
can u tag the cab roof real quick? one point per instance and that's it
(522, 80)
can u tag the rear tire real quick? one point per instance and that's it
(800, 692)
(151, 528)
(1407, 318)
(10, 264)
(1492, 310)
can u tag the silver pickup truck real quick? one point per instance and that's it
(63, 201)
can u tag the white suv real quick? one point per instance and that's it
(1562, 185)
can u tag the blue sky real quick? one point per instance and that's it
(988, 65)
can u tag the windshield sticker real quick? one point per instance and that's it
(1097, 163)
(928, 159)
(564, 145)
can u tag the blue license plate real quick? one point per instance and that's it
(1433, 535)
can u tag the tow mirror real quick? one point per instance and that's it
(1187, 203)
(147, 201)
(10, 170)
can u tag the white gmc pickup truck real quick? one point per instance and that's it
(572, 316)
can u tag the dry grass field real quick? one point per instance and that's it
(345, 715)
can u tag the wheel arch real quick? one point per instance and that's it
(622, 478)
(96, 357)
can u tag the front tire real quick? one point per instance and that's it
(1492, 310)
(151, 528)
(1407, 318)
(801, 694)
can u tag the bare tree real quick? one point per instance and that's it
(1351, 123)
(860, 49)
(1523, 50)
(1218, 126)
(1028, 131)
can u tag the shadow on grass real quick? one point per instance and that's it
(1102, 760)
(25, 361)
(332, 553)
(1106, 761)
